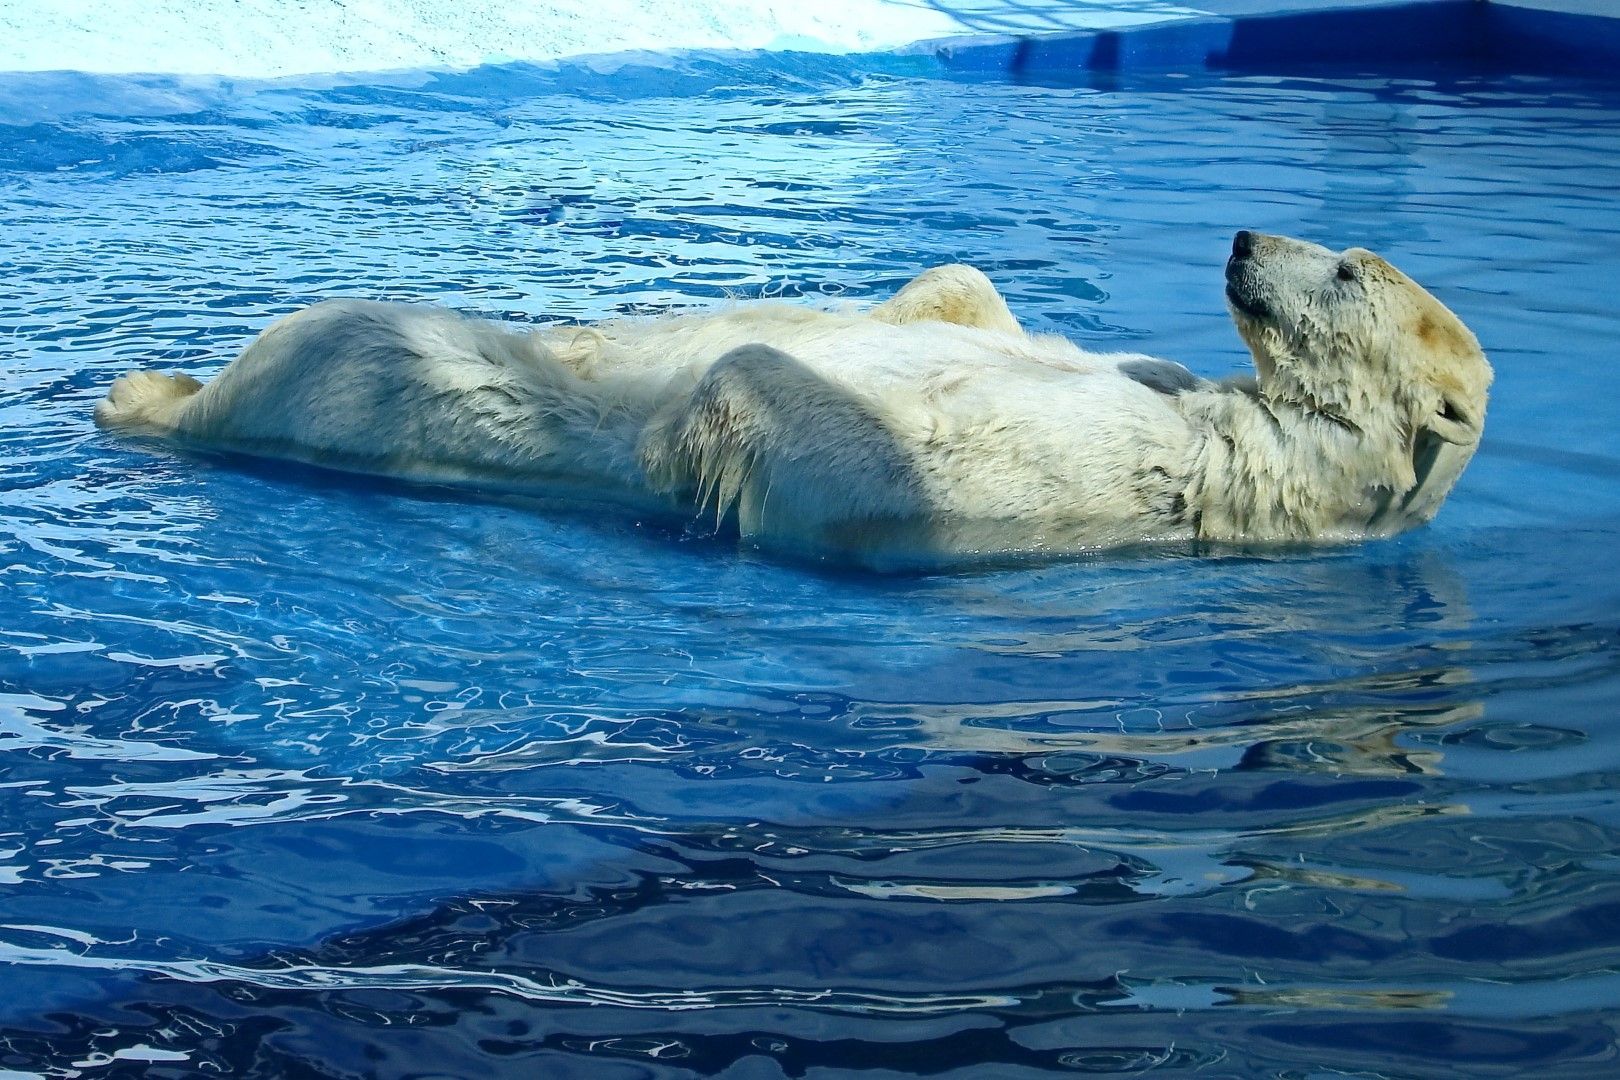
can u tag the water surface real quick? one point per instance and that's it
(303, 775)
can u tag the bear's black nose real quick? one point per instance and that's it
(1243, 244)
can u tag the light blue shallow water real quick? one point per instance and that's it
(303, 775)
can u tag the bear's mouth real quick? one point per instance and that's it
(1239, 282)
(1251, 306)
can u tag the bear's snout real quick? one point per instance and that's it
(1243, 244)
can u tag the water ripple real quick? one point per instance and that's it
(307, 775)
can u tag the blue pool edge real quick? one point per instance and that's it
(1532, 34)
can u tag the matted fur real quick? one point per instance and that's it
(930, 426)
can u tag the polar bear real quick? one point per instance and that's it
(933, 426)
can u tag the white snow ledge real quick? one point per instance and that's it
(279, 38)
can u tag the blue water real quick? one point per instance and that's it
(304, 775)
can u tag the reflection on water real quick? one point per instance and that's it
(310, 775)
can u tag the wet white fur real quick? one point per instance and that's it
(931, 426)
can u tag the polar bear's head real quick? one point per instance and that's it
(1344, 336)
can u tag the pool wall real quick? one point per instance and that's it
(280, 39)
(1534, 34)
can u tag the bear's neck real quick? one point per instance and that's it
(1290, 468)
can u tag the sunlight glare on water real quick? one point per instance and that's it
(311, 775)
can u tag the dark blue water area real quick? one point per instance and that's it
(304, 775)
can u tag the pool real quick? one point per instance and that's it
(311, 775)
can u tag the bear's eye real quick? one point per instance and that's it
(1347, 272)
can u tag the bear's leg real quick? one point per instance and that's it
(789, 453)
(955, 294)
(146, 401)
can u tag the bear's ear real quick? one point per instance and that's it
(1452, 422)
(1451, 394)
